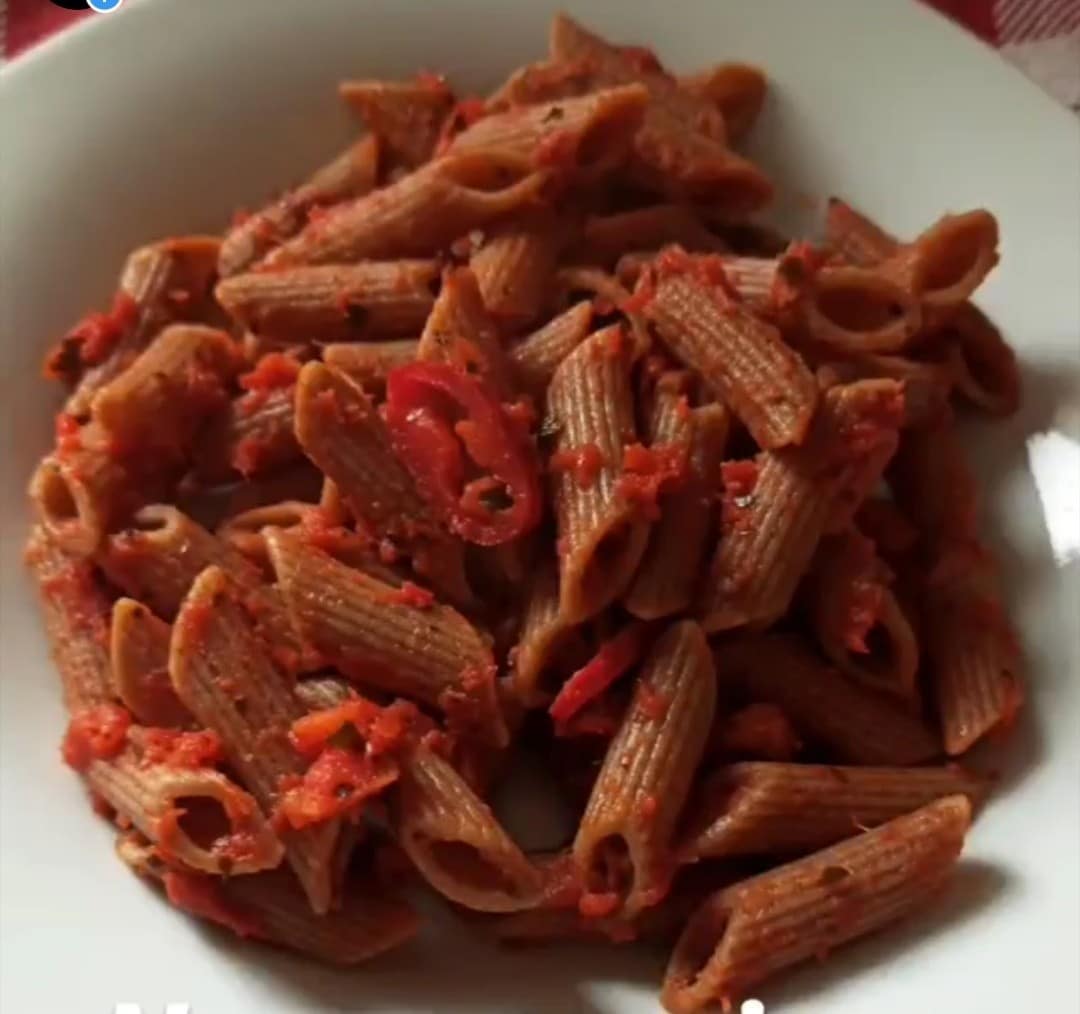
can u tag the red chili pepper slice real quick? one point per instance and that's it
(468, 456)
(603, 669)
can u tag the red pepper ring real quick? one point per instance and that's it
(437, 414)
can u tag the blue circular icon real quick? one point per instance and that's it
(104, 6)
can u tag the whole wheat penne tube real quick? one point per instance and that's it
(406, 116)
(862, 309)
(535, 358)
(602, 536)
(160, 399)
(760, 808)
(857, 619)
(515, 265)
(461, 331)
(418, 214)
(777, 508)
(608, 295)
(681, 146)
(341, 431)
(748, 932)
(333, 302)
(76, 611)
(160, 284)
(455, 841)
(609, 237)
(856, 725)
(254, 435)
(85, 490)
(623, 845)
(349, 175)
(986, 373)
(736, 89)
(743, 358)
(974, 660)
(670, 570)
(369, 363)
(395, 639)
(588, 135)
(544, 631)
(139, 656)
(194, 816)
(222, 670)
(856, 238)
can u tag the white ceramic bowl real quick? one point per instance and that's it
(166, 116)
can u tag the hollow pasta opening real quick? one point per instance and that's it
(153, 519)
(465, 864)
(855, 306)
(611, 868)
(203, 819)
(699, 944)
(55, 496)
(604, 571)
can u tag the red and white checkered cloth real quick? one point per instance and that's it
(1042, 37)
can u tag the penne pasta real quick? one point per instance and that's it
(399, 640)
(622, 850)
(746, 933)
(349, 175)
(139, 657)
(195, 816)
(670, 570)
(601, 535)
(222, 671)
(419, 213)
(986, 374)
(159, 401)
(256, 434)
(793, 809)
(742, 358)
(161, 284)
(369, 363)
(777, 508)
(406, 116)
(535, 358)
(587, 136)
(607, 238)
(76, 611)
(456, 843)
(736, 89)
(515, 265)
(333, 302)
(342, 433)
(856, 725)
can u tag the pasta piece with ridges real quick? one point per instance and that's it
(349, 175)
(587, 136)
(670, 570)
(743, 358)
(623, 848)
(162, 283)
(194, 816)
(856, 725)
(542, 631)
(139, 657)
(456, 842)
(736, 89)
(222, 671)
(158, 558)
(855, 237)
(601, 535)
(341, 431)
(76, 613)
(776, 513)
(378, 636)
(419, 214)
(333, 302)
(746, 933)
(460, 331)
(158, 402)
(535, 358)
(369, 363)
(858, 620)
(761, 808)
(515, 265)
(609, 237)
(406, 116)
(255, 434)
